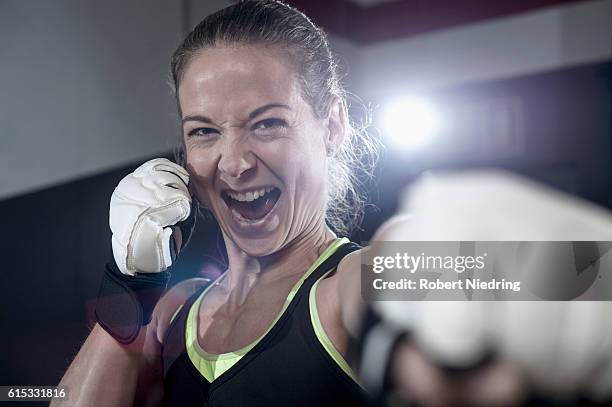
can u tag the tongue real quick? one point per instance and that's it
(256, 209)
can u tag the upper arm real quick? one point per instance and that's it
(149, 384)
(352, 304)
(348, 273)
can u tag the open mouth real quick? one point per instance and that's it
(252, 205)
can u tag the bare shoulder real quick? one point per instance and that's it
(171, 301)
(350, 265)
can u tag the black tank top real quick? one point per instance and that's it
(287, 367)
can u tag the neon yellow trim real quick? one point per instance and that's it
(212, 366)
(322, 335)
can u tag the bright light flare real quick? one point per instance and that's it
(410, 123)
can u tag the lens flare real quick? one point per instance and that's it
(410, 123)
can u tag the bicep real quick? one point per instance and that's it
(150, 381)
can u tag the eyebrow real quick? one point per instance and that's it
(252, 115)
(265, 108)
(196, 118)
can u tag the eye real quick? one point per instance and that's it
(205, 132)
(269, 124)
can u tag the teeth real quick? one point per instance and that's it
(249, 196)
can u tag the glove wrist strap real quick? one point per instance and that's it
(371, 353)
(126, 303)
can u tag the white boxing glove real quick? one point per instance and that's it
(143, 208)
(564, 347)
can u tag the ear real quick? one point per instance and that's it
(337, 125)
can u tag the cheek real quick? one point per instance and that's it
(313, 159)
(306, 162)
(201, 166)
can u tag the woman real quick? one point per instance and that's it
(263, 113)
(268, 149)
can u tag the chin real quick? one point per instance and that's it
(258, 247)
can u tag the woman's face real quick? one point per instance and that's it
(255, 151)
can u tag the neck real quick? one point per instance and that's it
(293, 259)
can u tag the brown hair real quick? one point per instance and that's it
(275, 24)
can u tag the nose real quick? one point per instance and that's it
(237, 160)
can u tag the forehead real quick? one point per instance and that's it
(223, 79)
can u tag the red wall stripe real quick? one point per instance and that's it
(409, 17)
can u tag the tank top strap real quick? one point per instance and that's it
(329, 264)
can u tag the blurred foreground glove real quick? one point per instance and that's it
(144, 209)
(563, 347)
